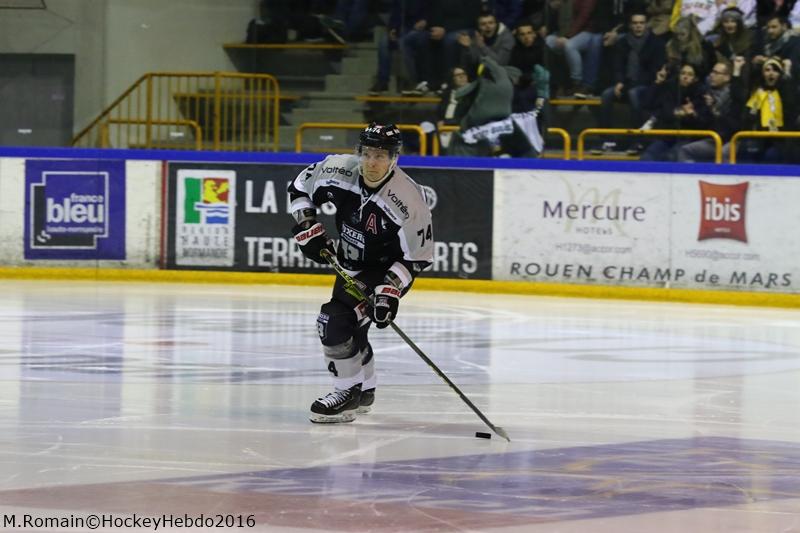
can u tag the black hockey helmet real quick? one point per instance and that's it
(385, 136)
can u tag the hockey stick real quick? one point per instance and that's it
(352, 289)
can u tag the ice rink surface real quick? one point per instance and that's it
(141, 400)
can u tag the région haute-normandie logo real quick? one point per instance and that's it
(206, 201)
(722, 211)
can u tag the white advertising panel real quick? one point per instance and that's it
(647, 230)
(737, 232)
(582, 227)
(142, 212)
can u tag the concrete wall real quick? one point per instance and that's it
(116, 41)
(170, 35)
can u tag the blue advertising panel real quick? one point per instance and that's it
(74, 209)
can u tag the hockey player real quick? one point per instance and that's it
(385, 241)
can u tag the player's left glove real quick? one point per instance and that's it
(386, 300)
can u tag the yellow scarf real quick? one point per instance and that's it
(768, 103)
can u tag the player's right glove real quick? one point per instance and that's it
(385, 303)
(312, 241)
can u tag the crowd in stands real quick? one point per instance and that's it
(721, 65)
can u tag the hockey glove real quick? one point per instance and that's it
(385, 302)
(312, 241)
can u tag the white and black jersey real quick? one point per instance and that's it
(387, 228)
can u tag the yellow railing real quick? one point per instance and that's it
(298, 136)
(423, 146)
(556, 131)
(198, 132)
(652, 133)
(759, 134)
(566, 138)
(232, 111)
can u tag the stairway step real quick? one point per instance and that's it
(336, 140)
(300, 116)
(351, 83)
(360, 65)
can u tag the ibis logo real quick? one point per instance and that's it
(722, 211)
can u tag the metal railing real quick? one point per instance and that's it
(298, 136)
(759, 134)
(556, 131)
(198, 132)
(565, 136)
(652, 133)
(423, 146)
(232, 111)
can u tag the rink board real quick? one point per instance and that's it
(259, 220)
(647, 230)
(592, 228)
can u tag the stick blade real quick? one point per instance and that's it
(501, 432)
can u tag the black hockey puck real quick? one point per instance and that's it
(482, 435)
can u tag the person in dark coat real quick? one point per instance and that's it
(687, 46)
(638, 56)
(725, 96)
(679, 106)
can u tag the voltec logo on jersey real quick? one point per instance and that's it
(399, 203)
(205, 219)
(70, 211)
(722, 211)
(337, 170)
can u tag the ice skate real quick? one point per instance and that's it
(337, 406)
(366, 401)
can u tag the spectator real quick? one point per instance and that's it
(777, 41)
(407, 23)
(508, 12)
(771, 107)
(735, 39)
(448, 19)
(527, 118)
(529, 104)
(354, 16)
(350, 22)
(659, 13)
(310, 19)
(270, 24)
(687, 46)
(609, 18)
(702, 12)
(533, 10)
(679, 106)
(766, 9)
(650, 97)
(577, 39)
(492, 39)
(493, 92)
(725, 98)
(638, 56)
(532, 88)
(490, 97)
(747, 7)
(794, 18)
(451, 110)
